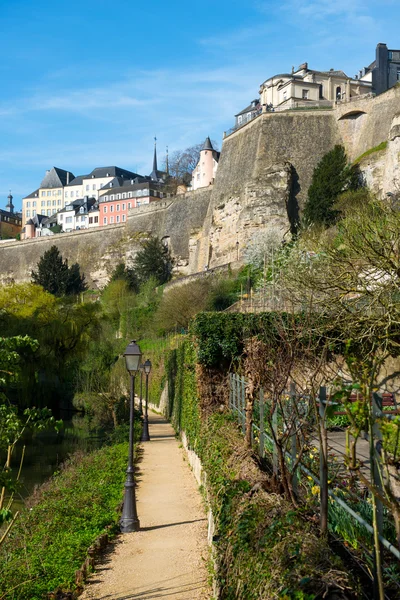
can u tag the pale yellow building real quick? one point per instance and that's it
(49, 198)
(307, 86)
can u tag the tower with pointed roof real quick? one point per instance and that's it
(156, 175)
(204, 173)
(10, 205)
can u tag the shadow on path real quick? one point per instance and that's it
(171, 524)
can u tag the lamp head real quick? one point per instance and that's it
(147, 367)
(133, 356)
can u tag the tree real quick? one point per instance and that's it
(181, 163)
(332, 176)
(124, 273)
(54, 275)
(154, 260)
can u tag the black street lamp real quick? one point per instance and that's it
(141, 389)
(129, 520)
(145, 433)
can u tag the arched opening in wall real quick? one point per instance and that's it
(352, 115)
(338, 94)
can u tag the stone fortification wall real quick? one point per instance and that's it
(97, 251)
(262, 180)
(364, 124)
(179, 221)
(264, 173)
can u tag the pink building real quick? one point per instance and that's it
(204, 173)
(114, 203)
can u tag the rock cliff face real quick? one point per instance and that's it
(262, 180)
(381, 169)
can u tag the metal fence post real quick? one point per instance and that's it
(243, 405)
(323, 462)
(275, 435)
(293, 440)
(377, 470)
(261, 448)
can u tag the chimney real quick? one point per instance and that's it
(67, 177)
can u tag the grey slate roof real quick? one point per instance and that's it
(207, 144)
(112, 172)
(56, 178)
(34, 194)
(152, 185)
(78, 180)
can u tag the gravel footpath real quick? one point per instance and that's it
(167, 558)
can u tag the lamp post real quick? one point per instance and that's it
(145, 433)
(141, 389)
(129, 520)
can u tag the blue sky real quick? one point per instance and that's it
(89, 83)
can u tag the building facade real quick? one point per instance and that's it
(385, 70)
(114, 203)
(10, 221)
(49, 198)
(307, 86)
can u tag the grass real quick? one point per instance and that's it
(49, 542)
(378, 148)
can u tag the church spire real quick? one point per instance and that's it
(10, 205)
(155, 156)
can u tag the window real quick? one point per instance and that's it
(43, 203)
(68, 220)
(43, 193)
(305, 94)
(48, 202)
(96, 219)
(54, 202)
(53, 212)
(61, 217)
(123, 206)
(129, 205)
(130, 195)
(285, 95)
(94, 186)
(112, 208)
(105, 221)
(112, 197)
(111, 220)
(58, 202)
(48, 212)
(398, 73)
(54, 193)
(198, 176)
(82, 209)
(49, 193)
(124, 218)
(117, 218)
(105, 209)
(66, 194)
(28, 213)
(72, 194)
(59, 193)
(28, 205)
(90, 220)
(118, 208)
(34, 204)
(123, 195)
(33, 213)
(118, 196)
(87, 188)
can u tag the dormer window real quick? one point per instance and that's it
(82, 209)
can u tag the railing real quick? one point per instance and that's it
(245, 119)
(268, 423)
